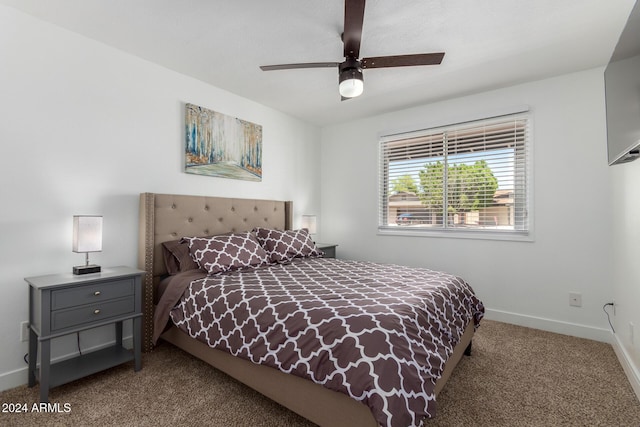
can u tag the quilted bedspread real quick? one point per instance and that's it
(378, 333)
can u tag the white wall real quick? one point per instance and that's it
(525, 283)
(84, 129)
(625, 190)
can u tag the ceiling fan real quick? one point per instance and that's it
(350, 70)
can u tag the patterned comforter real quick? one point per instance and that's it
(378, 333)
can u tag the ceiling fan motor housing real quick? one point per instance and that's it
(351, 82)
(350, 69)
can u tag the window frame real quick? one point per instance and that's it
(526, 234)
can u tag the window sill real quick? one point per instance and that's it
(515, 236)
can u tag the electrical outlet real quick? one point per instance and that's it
(24, 331)
(575, 299)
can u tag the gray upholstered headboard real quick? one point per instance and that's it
(165, 217)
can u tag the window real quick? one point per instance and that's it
(465, 179)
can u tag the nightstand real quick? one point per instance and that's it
(329, 249)
(62, 304)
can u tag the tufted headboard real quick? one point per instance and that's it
(165, 217)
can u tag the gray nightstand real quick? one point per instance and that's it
(62, 304)
(329, 249)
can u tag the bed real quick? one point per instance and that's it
(167, 218)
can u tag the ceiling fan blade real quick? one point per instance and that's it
(402, 60)
(303, 65)
(353, 19)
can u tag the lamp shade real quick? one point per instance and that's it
(87, 233)
(310, 222)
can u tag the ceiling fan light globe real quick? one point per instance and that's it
(350, 88)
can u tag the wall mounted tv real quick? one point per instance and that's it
(622, 93)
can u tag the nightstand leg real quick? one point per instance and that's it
(33, 357)
(137, 343)
(119, 334)
(45, 365)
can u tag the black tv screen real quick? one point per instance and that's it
(622, 93)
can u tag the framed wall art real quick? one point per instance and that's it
(221, 145)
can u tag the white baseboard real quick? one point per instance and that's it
(13, 379)
(630, 369)
(18, 377)
(559, 327)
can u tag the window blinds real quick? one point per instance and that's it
(471, 176)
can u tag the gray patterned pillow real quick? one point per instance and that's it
(218, 254)
(283, 246)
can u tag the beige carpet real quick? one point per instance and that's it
(515, 377)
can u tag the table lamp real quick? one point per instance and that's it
(310, 222)
(87, 237)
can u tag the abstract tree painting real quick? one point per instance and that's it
(221, 145)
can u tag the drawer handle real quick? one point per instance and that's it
(96, 311)
(96, 293)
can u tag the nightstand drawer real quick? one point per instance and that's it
(87, 314)
(87, 294)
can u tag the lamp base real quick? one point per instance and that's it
(86, 269)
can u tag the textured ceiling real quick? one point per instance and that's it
(488, 44)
